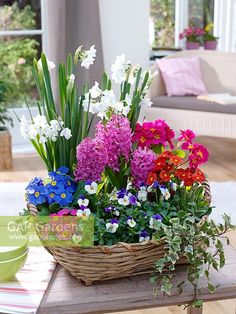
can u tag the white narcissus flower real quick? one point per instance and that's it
(40, 121)
(146, 102)
(124, 201)
(91, 188)
(95, 91)
(131, 222)
(88, 57)
(51, 65)
(32, 132)
(86, 212)
(83, 202)
(66, 133)
(118, 69)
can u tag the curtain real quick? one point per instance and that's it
(70, 23)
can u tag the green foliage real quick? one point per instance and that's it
(14, 18)
(4, 118)
(17, 53)
(17, 76)
(163, 14)
(201, 243)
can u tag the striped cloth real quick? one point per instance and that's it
(24, 293)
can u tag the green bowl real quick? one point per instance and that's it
(9, 268)
(7, 253)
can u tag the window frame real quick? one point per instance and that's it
(32, 32)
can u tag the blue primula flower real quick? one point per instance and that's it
(63, 198)
(36, 194)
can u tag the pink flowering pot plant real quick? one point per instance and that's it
(193, 36)
(141, 183)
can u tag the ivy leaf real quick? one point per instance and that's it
(153, 280)
(166, 287)
(198, 303)
(211, 288)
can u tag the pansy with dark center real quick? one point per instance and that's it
(109, 209)
(133, 200)
(157, 217)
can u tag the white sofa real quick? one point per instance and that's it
(206, 118)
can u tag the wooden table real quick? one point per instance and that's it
(67, 295)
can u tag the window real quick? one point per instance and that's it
(169, 17)
(200, 12)
(162, 23)
(21, 34)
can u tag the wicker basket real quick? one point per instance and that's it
(5, 150)
(100, 263)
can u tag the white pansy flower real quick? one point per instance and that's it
(84, 212)
(131, 222)
(173, 186)
(91, 188)
(150, 188)
(88, 57)
(83, 202)
(66, 133)
(165, 193)
(144, 237)
(112, 227)
(116, 212)
(124, 200)
(51, 65)
(113, 195)
(142, 194)
(146, 102)
(95, 91)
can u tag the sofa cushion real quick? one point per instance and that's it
(182, 76)
(192, 103)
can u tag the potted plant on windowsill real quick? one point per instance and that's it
(193, 37)
(5, 137)
(210, 41)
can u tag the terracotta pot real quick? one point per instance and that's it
(192, 45)
(210, 45)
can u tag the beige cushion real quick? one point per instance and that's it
(192, 103)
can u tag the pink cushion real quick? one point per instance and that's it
(182, 76)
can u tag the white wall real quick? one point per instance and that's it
(125, 27)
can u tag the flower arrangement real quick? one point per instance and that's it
(139, 181)
(192, 34)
